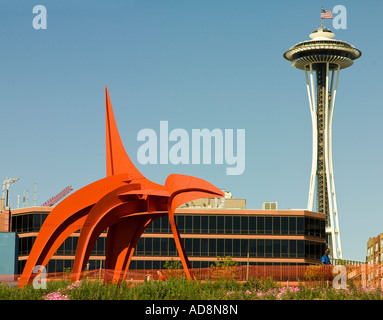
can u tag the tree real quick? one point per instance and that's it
(224, 262)
(173, 264)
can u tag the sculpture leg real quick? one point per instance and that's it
(104, 214)
(136, 238)
(181, 249)
(49, 239)
(84, 248)
(121, 242)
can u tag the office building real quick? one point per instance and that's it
(209, 229)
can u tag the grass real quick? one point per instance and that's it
(184, 289)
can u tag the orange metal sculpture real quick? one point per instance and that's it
(124, 203)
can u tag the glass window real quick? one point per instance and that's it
(196, 246)
(180, 220)
(23, 245)
(260, 248)
(148, 264)
(220, 224)
(268, 248)
(68, 245)
(228, 247)
(212, 247)
(156, 246)
(228, 224)
(156, 225)
(300, 249)
(172, 247)
(43, 217)
(31, 240)
(252, 247)
(268, 225)
(284, 225)
(309, 249)
(149, 246)
(140, 247)
(220, 247)
(156, 265)
(244, 225)
(204, 224)
(236, 225)
(30, 222)
(292, 225)
(165, 224)
(276, 225)
(188, 224)
(204, 247)
(276, 248)
(75, 241)
(59, 266)
(164, 246)
(322, 229)
(188, 246)
(284, 248)
(236, 247)
(244, 247)
(196, 224)
(252, 225)
(309, 226)
(24, 223)
(260, 225)
(300, 230)
(293, 248)
(213, 224)
(36, 222)
(19, 223)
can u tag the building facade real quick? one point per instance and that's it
(374, 250)
(374, 259)
(257, 237)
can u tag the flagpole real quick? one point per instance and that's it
(321, 25)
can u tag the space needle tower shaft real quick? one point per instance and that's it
(322, 58)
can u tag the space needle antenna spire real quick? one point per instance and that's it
(322, 58)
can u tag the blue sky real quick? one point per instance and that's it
(196, 64)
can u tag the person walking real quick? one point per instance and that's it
(161, 277)
(325, 258)
(326, 269)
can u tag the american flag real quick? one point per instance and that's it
(326, 14)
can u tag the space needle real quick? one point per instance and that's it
(322, 58)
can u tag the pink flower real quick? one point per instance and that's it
(55, 296)
(60, 296)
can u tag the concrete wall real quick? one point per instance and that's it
(9, 247)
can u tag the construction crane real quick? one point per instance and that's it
(57, 197)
